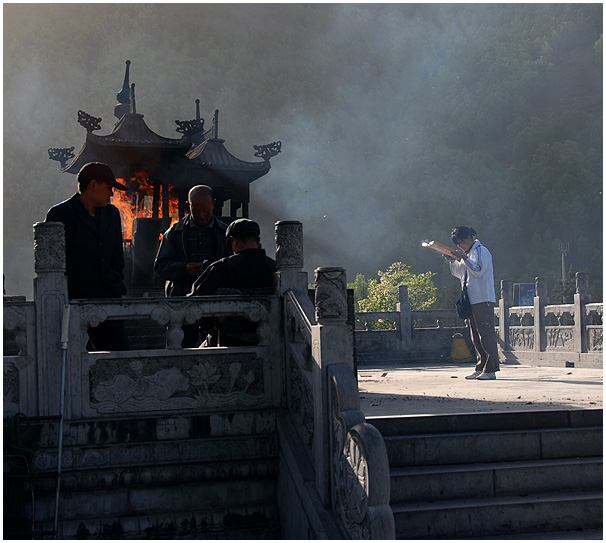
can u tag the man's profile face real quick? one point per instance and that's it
(201, 208)
(100, 192)
(465, 244)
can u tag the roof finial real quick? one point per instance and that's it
(133, 106)
(216, 124)
(123, 105)
(197, 109)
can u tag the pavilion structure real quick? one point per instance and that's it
(160, 171)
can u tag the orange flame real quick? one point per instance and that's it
(138, 202)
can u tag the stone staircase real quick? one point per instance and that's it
(162, 477)
(494, 474)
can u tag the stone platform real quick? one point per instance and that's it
(434, 388)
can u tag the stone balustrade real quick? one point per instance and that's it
(322, 400)
(565, 334)
(302, 369)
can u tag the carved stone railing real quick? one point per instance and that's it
(302, 369)
(337, 458)
(566, 333)
(172, 379)
(20, 366)
(415, 335)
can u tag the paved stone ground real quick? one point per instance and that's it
(434, 388)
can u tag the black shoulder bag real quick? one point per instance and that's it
(463, 304)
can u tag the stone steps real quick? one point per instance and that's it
(491, 474)
(203, 476)
(493, 480)
(460, 519)
(201, 510)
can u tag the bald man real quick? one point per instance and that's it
(188, 247)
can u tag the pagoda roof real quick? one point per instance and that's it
(130, 131)
(212, 154)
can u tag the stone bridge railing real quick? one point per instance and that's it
(569, 334)
(323, 403)
(334, 475)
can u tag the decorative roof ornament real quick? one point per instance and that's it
(88, 121)
(123, 97)
(268, 151)
(61, 155)
(133, 105)
(189, 128)
(216, 124)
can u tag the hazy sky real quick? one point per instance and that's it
(345, 88)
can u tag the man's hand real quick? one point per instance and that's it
(194, 269)
(459, 255)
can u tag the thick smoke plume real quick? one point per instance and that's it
(384, 123)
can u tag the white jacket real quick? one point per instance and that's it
(480, 274)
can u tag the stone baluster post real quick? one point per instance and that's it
(504, 303)
(332, 343)
(581, 298)
(540, 335)
(405, 322)
(289, 257)
(50, 296)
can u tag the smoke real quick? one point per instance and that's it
(355, 93)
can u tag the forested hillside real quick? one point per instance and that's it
(397, 121)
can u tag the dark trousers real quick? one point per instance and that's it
(108, 336)
(484, 337)
(195, 334)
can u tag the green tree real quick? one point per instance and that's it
(360, 288)
(563, 291)
(383, 292)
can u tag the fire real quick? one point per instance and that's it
(138, 202)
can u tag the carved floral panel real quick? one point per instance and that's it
(300, 403)
(521, 338)
(165, 383)
(595, 338)
(559, 338)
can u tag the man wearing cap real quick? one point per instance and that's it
(188, 247)
(94, 248)
(248, 270)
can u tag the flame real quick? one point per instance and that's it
(138, 202)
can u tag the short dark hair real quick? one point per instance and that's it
(462, 232)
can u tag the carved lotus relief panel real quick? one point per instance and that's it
(152, 384)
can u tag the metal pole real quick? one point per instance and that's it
(563, 250)
(64, 341)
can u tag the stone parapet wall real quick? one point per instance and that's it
(570, 334)
(263, 441)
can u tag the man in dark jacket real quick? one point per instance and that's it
(94, 248)
(248, 270)
(188, 248)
